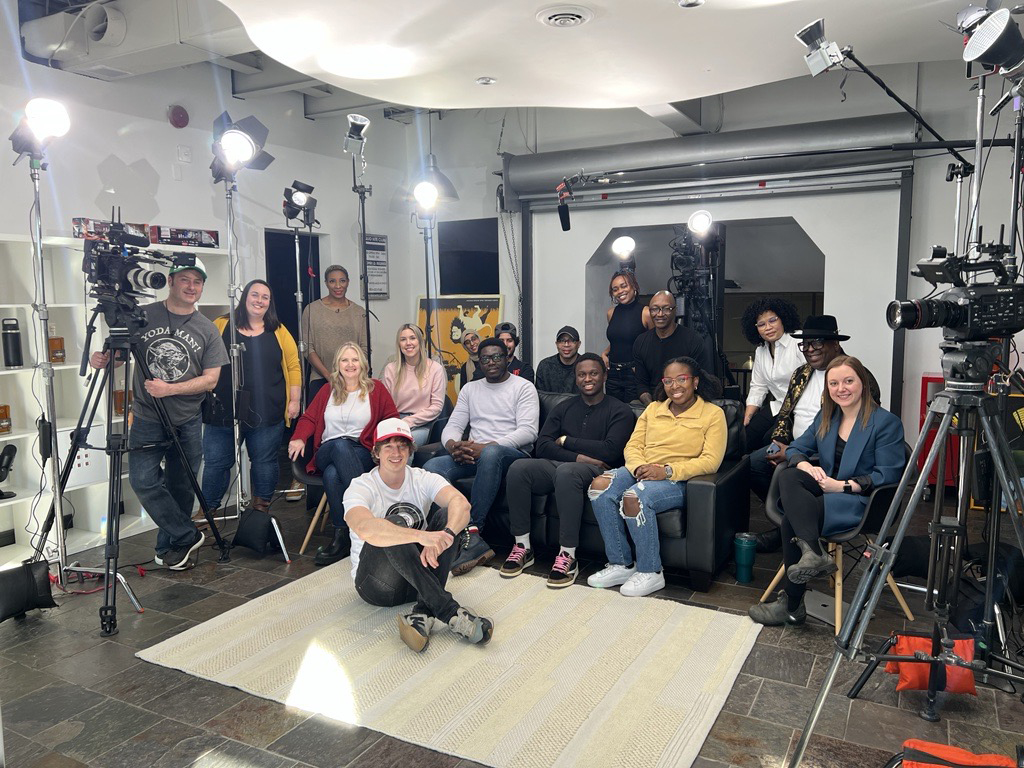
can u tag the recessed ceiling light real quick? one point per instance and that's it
(690, 3)
(486, 80)
(565, 16)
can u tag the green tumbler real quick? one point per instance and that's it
(746, 547)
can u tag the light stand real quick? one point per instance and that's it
(354, 145)
(300, 206)
(425, 218)
(44, 119)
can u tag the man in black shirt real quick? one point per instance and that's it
(582, 437)
(665, 340)
(558, 372)
(507, 333)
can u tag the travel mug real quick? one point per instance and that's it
(746, 547)
(11, 336)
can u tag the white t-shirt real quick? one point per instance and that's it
(420, 489)
(809, 404)
(346, 420)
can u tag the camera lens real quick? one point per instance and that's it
(143, 279)
(923, 313)
(901, 314)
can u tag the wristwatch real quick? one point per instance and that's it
(847, 488)
(668, 472)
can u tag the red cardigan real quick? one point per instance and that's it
(311, 423)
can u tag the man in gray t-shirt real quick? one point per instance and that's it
(184, 354)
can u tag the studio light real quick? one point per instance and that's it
(237, 146)
(299, 203)
(821, 54)
(355, 139)
(426, 195)
(623, 247)
(700, 223)
(997, 42)
(44, 119)
(431, 174)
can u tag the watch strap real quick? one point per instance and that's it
(451, 533)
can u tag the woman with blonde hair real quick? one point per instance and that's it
(416, 383)
(859, 447)
(341, 420)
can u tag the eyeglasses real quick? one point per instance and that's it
(679, 381)
(765, 323)
(566, 341)
(662, 310)
(493, 358)
(812, 344)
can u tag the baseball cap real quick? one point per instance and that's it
(392, 428)
(506, 327)
(567, 330)
(199, 267)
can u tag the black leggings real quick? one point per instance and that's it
(803, 514)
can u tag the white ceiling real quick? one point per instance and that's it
(429, 53)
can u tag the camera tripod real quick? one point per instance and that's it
(121, 346)
(966, 367)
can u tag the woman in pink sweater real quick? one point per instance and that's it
(416, 383)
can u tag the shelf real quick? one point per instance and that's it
(63, 425)
(75, 242)
(22, 493)
(32, 368)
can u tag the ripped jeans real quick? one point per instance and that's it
(654, 496)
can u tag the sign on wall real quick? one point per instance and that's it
(377, 266)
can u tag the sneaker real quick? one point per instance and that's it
(777, 613)
(476, 629)
(641, 584)
(414, 629)
(178, 558)
(518, 560)
(475, 551)
(295, 492)
(611, 576)
(563, 572)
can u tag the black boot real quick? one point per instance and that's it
(769, 541)
(811, 565)
(336, 550)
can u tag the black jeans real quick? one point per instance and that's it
(803, 513)
(569, 480)
(390, 576)
(621, 383)
(759, 430)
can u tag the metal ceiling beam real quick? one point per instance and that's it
(337, 104)
(273, 77)
(246, 63)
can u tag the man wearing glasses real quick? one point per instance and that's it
(666, 340)
(819, 341)
(502, 413)
(558, 372)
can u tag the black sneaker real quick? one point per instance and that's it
(518, 560)
(414, 629)
(474, 628)
(563, 572)
(177, 559)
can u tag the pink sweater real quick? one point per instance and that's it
(424, 405)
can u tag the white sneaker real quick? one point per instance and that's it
(641, 584)
(611, 576)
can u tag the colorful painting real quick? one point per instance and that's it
(450, 317)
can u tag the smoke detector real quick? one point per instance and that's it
(565, 16)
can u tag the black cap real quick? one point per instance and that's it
(567, 330)
(506, 327)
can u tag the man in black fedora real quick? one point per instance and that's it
(819, 341)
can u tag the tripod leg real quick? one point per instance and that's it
(131, 593)
(872, 666)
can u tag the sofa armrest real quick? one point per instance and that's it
(425, 453)
(717, 506)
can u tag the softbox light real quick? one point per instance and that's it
(996, 42)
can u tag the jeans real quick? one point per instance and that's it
(390, 576)
(166, 492)
(341, 461)
(262, 443)
(621, 384)
(655, 496)
(489, 470)
(420, 434)
(569, 480)
(759, 430)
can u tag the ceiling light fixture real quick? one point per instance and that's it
(486, 80)
(237, 146)
(821, 54)
(691, 3)
(565, 16)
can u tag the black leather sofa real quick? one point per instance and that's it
(697, 540)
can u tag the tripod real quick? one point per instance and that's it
(966, 367)
(122, 345)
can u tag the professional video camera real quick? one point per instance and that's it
(116, 269)
(975, 312)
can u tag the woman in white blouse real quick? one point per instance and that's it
(767, 323)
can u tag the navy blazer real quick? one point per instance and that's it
(875, 450)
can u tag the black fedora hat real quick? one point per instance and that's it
(822, 327)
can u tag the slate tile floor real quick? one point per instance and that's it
(72, 698)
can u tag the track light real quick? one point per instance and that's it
(355, 139)
(237, 146)
(300, 203)
(44, 119)
(700, 224)
(821, 54)
(623, 247)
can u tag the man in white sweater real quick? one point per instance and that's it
(502, 413)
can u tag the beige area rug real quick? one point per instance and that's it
(575, 676)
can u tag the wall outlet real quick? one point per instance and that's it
(184, 154)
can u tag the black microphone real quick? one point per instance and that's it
(563, 216)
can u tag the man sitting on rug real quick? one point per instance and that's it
(401, 550)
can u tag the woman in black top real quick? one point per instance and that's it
(626, 320)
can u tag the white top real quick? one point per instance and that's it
(772, 374)
(507, 413)
(809, 404)
(420, 489)
(346, 420)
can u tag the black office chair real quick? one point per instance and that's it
(299, 473)
(878, 504)
(441, 421)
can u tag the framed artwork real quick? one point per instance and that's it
(450, 317)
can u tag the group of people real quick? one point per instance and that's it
(359, 434)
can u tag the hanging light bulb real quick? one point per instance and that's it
(426, 195)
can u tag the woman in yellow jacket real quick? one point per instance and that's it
(268, 397)
(680, 435)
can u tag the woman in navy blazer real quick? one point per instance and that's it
(859, 447)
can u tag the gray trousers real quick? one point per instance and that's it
(569, 480)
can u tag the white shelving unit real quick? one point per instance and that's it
(20, 388)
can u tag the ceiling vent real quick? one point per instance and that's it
(565, 16)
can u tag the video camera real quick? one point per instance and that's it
(975, 312)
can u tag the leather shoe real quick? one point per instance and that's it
(811, 565)
(769, 541)
(777, 613)
(336, 550)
